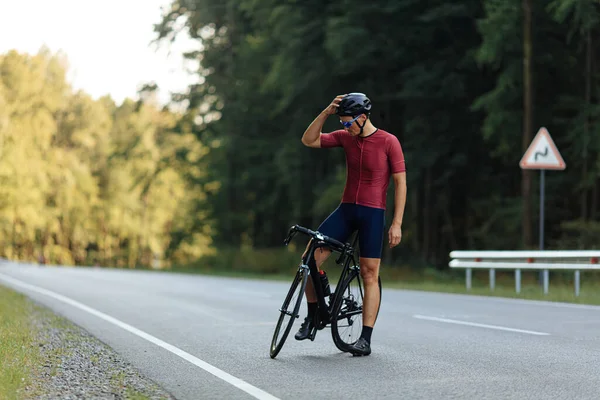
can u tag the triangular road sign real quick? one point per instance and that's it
(542, 153)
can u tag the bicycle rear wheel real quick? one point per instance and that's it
(289, 309)
(347, 310)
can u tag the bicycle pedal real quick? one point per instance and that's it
(313, 334)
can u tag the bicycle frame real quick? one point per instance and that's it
(338, 301)
(346, 258)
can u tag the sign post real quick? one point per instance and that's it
(542, 154)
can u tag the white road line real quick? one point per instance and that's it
(240, 384)
(544, 303)
(501, 328)
(506, 300)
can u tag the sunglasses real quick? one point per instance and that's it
(348, 124)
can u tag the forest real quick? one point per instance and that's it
(465, 86)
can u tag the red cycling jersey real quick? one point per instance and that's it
(370, 161)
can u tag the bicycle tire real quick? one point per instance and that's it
(342, 300)
(299, 281)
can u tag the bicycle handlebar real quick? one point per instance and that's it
(316, 235)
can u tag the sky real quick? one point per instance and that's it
(107, 43)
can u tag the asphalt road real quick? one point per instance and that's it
(208, 338)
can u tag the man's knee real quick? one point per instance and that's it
(369, 269)
(320, 253)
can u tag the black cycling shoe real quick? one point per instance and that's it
(360, 348)
(305, 329)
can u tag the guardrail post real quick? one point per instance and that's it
(546, 261)
(468, 278)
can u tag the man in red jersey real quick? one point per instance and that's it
(372, 157)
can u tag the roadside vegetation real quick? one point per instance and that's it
(280, 264)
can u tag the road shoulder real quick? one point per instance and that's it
(65, 361)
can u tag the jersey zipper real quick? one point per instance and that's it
(359, 173)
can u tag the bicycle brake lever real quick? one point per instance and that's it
(290, 235)
(343, 253)
(288, 239)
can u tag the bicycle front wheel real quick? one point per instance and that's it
(347, 311)
(289, 311)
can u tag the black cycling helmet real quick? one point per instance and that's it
(354, 104)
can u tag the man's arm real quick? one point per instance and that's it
(312, 134)
(399, 197)
(395, 232)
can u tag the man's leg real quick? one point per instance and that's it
(369, 271)
(321, 255)
(372, 224)
(336, 226)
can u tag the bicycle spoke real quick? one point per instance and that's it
(348, 312)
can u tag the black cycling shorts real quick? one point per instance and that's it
(349, 217)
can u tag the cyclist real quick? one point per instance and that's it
(372, 157)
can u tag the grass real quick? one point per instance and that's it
(278, 264)
(118, 380)
(18, 354)
(560, 293)
(22, 359)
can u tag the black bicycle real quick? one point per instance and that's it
(342, 309)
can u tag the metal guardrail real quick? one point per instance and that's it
(569, 260)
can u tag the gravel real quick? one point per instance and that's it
(76, 365)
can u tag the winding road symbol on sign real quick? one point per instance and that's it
(539, 153)
(542, 147)
(542, 153)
